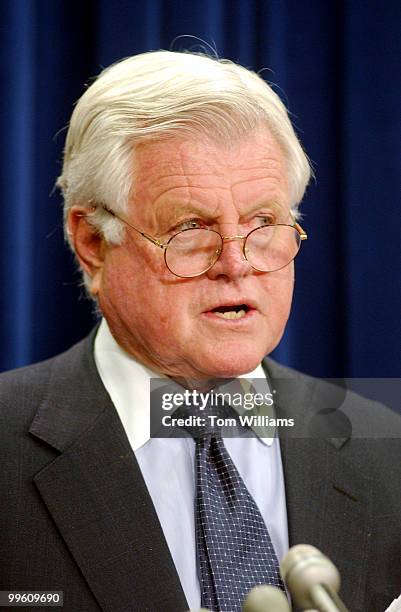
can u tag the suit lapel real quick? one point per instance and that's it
(329, 500)
(96, 494)
(329, 505)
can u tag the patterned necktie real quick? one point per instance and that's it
(235, 552)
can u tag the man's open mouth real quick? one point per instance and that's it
(231, 312)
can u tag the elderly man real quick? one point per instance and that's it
(181, 180)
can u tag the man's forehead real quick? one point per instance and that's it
(191, 162)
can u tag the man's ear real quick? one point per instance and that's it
(89, 245)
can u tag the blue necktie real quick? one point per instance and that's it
(235, 552)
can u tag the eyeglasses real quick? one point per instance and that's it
(192, 252)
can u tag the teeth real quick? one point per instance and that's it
(231, 314)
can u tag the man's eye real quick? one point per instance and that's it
(190, 224)
(262, 220)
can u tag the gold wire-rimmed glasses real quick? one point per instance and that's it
(193, 251)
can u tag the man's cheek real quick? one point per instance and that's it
(160, 321)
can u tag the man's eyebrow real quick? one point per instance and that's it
(175, 211)
(272, 205)
(193, 208)
(190, 208)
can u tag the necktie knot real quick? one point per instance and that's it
(210, 420)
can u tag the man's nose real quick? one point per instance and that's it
(231, 263)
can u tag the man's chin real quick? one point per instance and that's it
(231, 365)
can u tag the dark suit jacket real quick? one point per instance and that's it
(76, 516)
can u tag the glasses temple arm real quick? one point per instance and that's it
(144, 234)
(300, 230)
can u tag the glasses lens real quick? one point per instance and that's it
(192, 252)
(272, 247)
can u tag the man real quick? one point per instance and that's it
(181, 180)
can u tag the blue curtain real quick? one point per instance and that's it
(335, 63)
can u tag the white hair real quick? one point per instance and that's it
(156, 95)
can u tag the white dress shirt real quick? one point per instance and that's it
(167, 464)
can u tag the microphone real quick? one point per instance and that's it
(266, 597)
(313, 580)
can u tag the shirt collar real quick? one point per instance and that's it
(128, 383)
